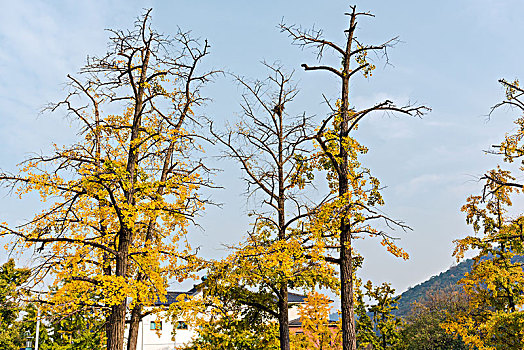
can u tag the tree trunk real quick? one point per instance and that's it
(349, 338)
(283, 318)
(136, 316)
(117, 318)
(134, 324)
(349, 341)
(132, 164)
(115, 327)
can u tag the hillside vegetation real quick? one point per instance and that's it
(445, 281)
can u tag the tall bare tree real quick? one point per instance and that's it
(357, 192)
(273, 150)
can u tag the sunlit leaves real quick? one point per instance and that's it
(495, 286)
(363, 61)
(120, 199)
(317, 331)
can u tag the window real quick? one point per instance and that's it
(155, 325)
(181, 325)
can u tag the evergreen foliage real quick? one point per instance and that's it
(11, 280)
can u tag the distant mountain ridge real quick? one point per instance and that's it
(447, 281)
(444, 281)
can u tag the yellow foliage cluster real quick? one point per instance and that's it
(317, 331)
(494, 318)
(119, 201)
(356, 205)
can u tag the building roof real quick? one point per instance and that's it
(296, 298)
(172, 296)
(297, 323)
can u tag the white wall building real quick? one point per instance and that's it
(155, 332)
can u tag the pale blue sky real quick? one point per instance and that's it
(450, 57)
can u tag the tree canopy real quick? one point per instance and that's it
(121, 197)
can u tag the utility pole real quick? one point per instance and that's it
(37, 335)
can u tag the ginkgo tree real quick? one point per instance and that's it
(120, 198)
(273, 149)
(356, 193)
(494, 317)
(317, 331)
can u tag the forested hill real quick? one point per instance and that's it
(446, 281)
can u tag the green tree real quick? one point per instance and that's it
(423, 327)
(376, 323)
(81, 330)
(11, 294)
(76, 331)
